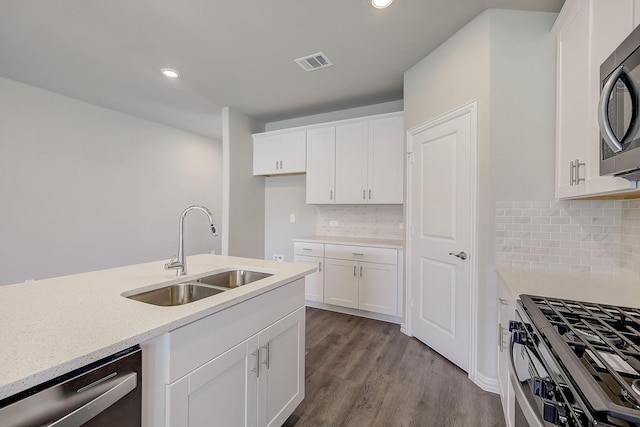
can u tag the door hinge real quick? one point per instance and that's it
(410, 156)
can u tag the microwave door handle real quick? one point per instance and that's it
(603, 107)
(635, 122)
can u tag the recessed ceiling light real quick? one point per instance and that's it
(170, 73)
(381, 4)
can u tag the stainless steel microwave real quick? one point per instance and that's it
(618, 114)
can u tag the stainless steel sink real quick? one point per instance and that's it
(178, 294)
(233, 279)
(194, 290)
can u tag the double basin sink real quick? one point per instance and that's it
(194, 290)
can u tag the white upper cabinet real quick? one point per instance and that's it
(321, 165)
(588, 32)
(351, 163)
(279, 153)
(386, 160)
(367, 164)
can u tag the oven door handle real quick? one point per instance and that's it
(603, 109)
(98, 405)
(528, 410)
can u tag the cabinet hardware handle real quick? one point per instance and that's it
(360, 271)
(257, 368)
(357, 253)
(276, 164)
(369, 194)
(280, 164)
(331, 195)
(306, 249)
(572, 168)
(461, 255)
(578, 180)
(319, 266)
(502, 301)
(266, 356)
(354, 271)
(500, 340)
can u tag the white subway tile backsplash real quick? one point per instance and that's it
(374, 221)
(598, 236)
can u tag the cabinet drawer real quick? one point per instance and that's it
(362, 253)
(308, 248)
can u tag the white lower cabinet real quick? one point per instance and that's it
(314, 282)
(341, 283)
(377, 288)
(259, 382)
(506, 312)
(241, 366)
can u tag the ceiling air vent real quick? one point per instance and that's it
(314, 62)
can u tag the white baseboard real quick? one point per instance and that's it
(355, 312)
(486, 383)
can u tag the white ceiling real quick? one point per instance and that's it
(237, 53)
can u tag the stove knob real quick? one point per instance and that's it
(543, 388)
(513, 325)
(554, 414)
(519, 337)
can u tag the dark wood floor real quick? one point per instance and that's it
(363, 372)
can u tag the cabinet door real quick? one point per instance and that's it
(313, 283)
(224, 389)
(386, 160)
(293, 157)
(281, 380)
(266, 154)
(321, 161)
(572, 103)
(378, 288)
(351, 163)
(341, 282)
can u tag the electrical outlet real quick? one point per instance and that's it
(401, 225)
(278, 257)
(333, 223)
(292, 218)
(213, 251)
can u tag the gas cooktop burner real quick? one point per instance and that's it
(595, 339)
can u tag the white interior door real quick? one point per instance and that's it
(442, 179)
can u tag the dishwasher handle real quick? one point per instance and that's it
(98, 405)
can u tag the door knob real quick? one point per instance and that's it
(461, 255)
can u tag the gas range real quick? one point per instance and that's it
(578, 363)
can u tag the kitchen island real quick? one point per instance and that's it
(53, 326)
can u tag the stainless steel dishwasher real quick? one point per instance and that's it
(105, 393)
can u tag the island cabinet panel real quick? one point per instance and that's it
(242, 366)
(259, 382)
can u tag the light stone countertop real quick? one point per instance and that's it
(586, 287)
(53, 326)
(356, 241)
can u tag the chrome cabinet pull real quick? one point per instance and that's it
(354, 271)
(360, 271)
(257, 368)
(280, 164)
(266, 355)
(502, 301)
(331, 195)
(319, 267)
(500, 340)
(572, 168)
(364, 194)
(369, 194)
(578, 180)
(461, 255)
(306, 249)
(276, 164)
(357, 253)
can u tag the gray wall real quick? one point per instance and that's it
(243, 194)
(506, 61)
(86, 188)
(285, 195)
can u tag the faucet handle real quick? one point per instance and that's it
(173, 263)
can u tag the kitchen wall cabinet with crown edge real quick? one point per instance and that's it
(354, 278)
(279, 153)
(585, 38)
(357, 161)
(242, 366)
